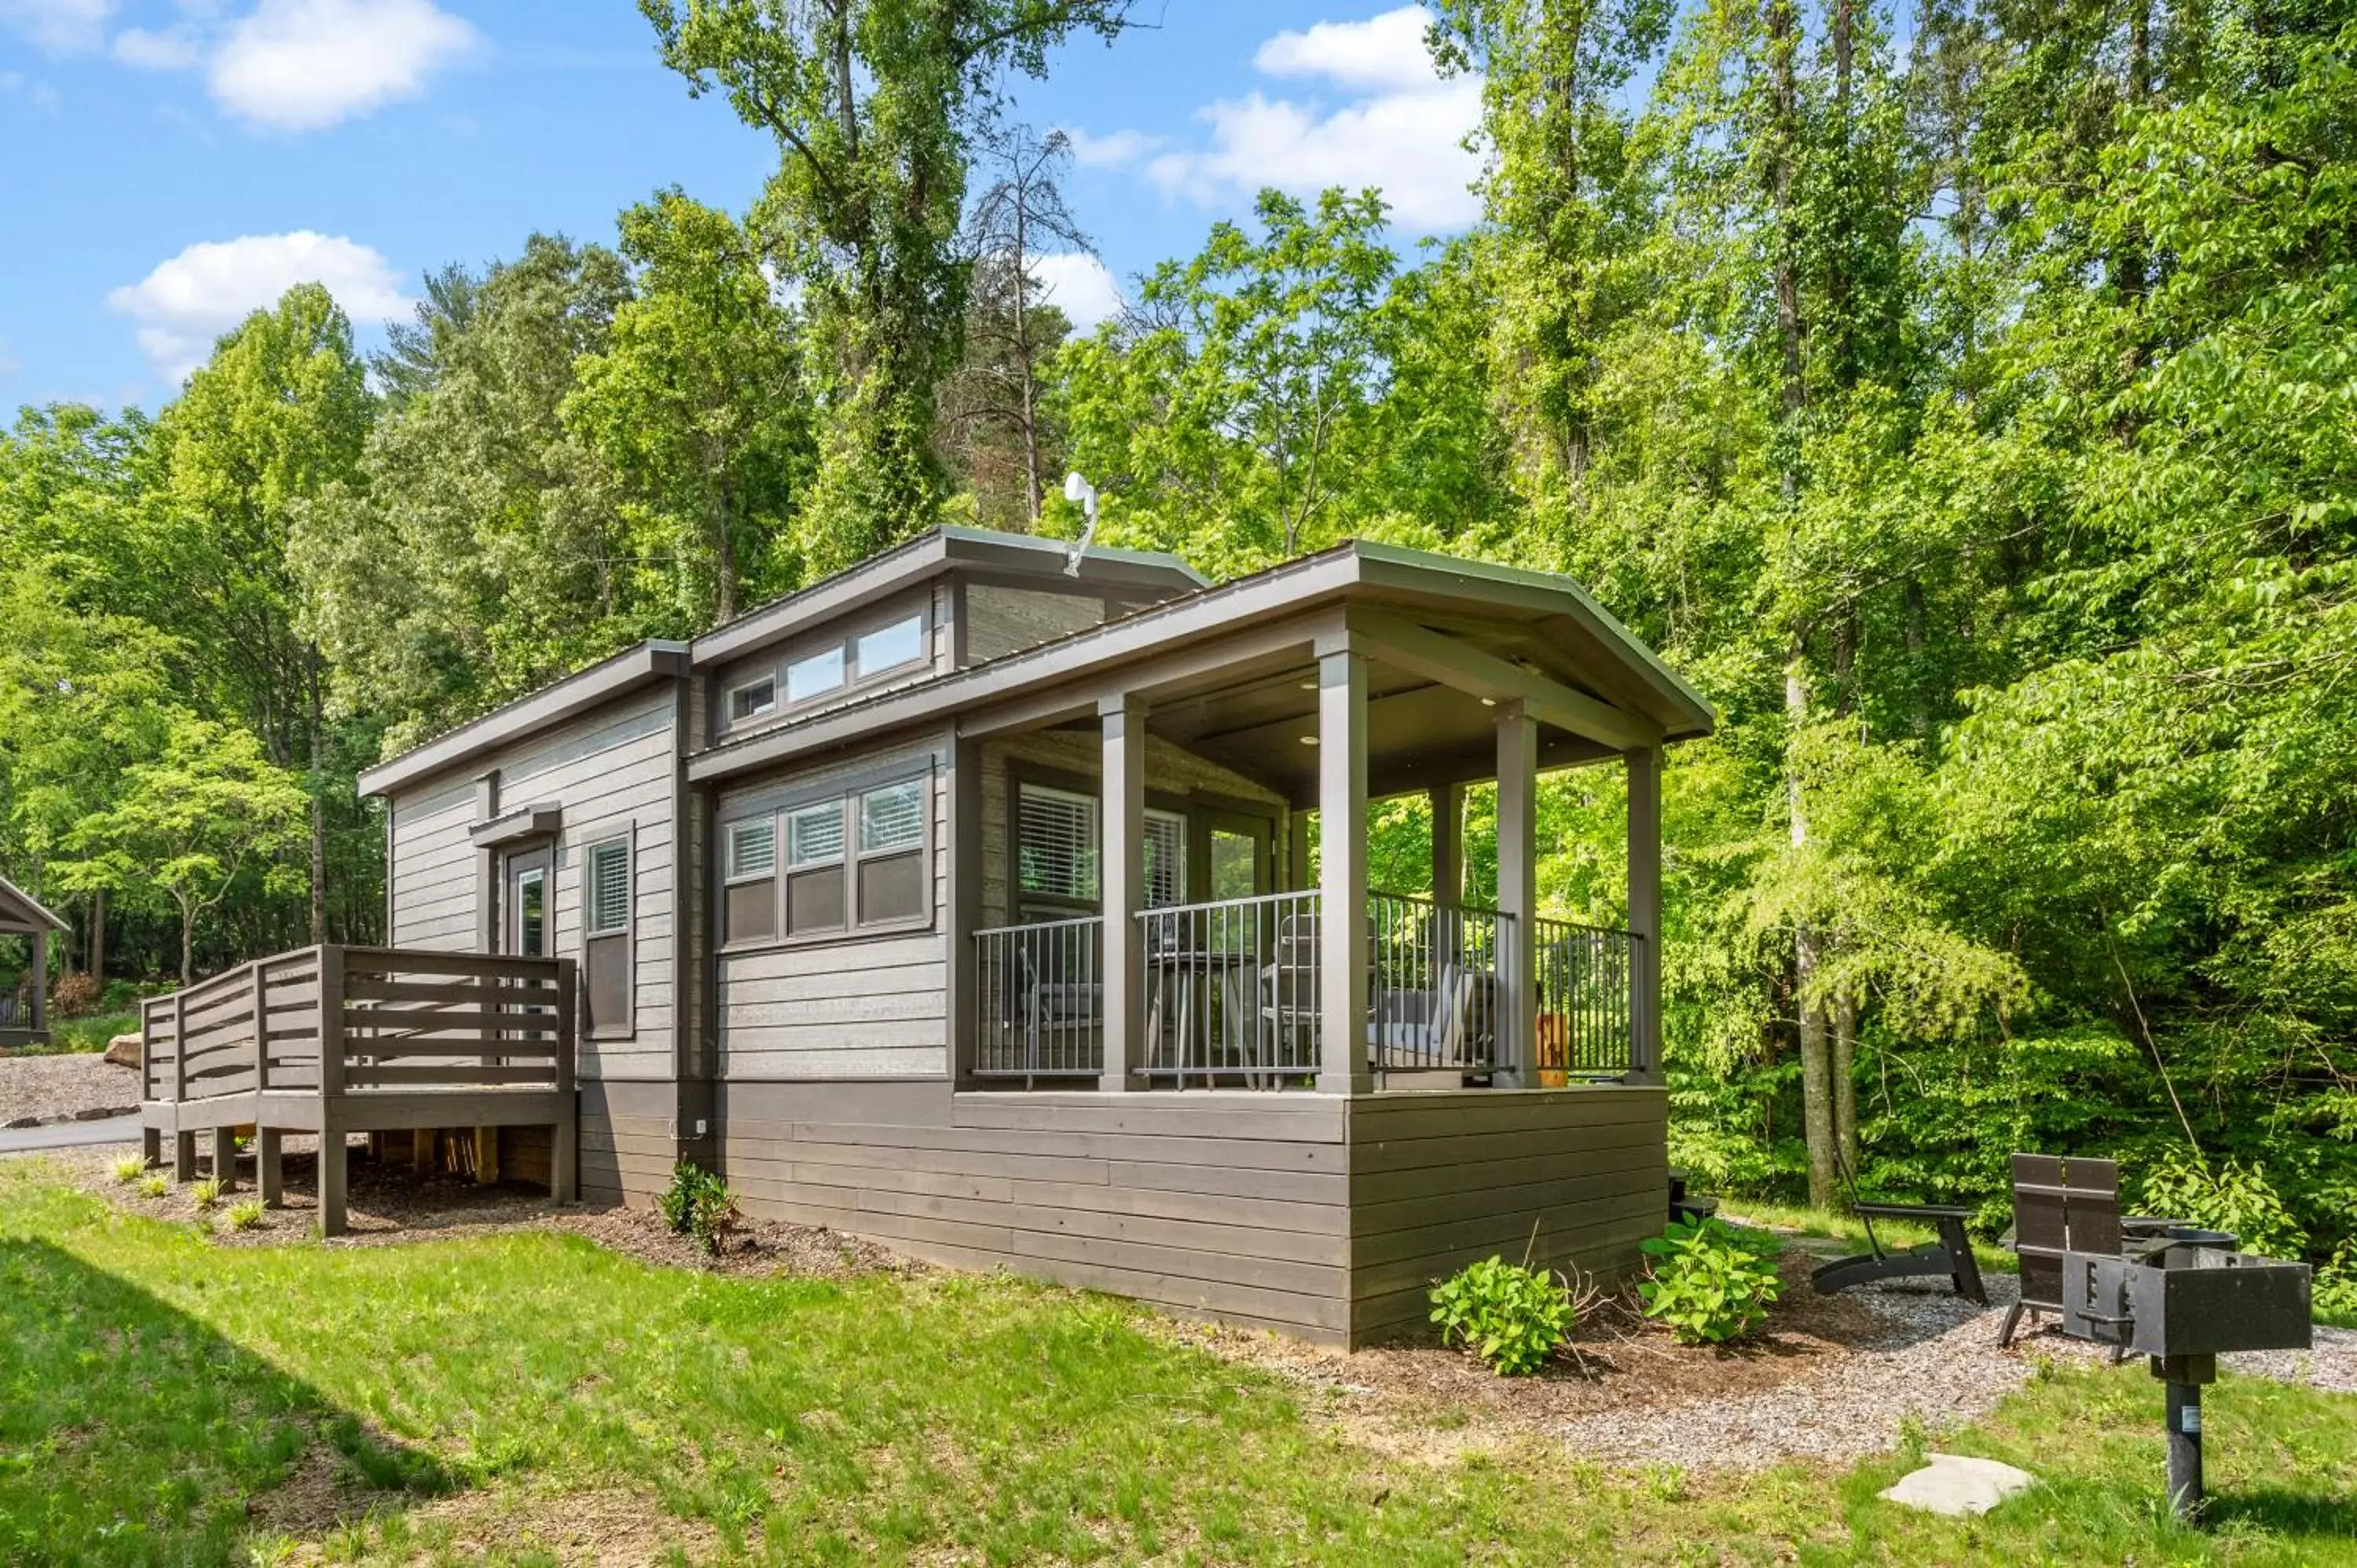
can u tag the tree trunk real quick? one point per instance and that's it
(1816, 1067)
(319, 792)
(1784, 135)
(1845, 1075)
(97, 955)
(188, 947)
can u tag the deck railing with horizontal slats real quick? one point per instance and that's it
(335, 1021)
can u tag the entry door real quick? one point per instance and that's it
(1240, 855)
(529, 907)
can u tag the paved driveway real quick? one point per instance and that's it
(69, 1135)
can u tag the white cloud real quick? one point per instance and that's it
(167, 48)
(1077, 285)
(1111, 151)
(192, 299)
(59, 27)
(1386, 51)
(1402, 128)
(302, 65)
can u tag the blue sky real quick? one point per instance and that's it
(171, 164)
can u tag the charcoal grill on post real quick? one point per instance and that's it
(2185, 1304)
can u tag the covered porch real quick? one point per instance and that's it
(1176, 933)
(25, 931)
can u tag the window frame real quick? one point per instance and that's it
(1182, 809)
(626, 934)
(844, 644)
(843, 794)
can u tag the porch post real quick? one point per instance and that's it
(41, 980)
(1447, 843)
(1121, 883)
(1342, 871)
(964, 784)
(1518, 887)
(1644, 769)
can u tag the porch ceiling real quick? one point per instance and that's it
(1419, 733)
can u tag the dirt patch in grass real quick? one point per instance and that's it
(389, 1204)
(611, 1528)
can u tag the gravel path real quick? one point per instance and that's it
(51, 1086)
(1934, 1359)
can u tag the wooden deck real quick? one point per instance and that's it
(333, 1040)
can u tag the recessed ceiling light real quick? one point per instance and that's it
(1309, 685)
(1309, 740)
(1488, 702)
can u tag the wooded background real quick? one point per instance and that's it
(1964, 399)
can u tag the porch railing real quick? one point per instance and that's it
(1232, 992)
(349, 1022)
(1587, 1001)
(1233, 995)
(1041, 1008)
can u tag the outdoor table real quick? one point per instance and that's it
(1187, 971)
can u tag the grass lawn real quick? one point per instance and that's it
(166, 1399)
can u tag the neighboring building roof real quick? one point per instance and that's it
(18, 913)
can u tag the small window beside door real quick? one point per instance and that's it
(606, 937)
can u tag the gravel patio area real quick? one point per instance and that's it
(57, 1088)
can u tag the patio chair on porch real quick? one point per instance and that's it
(1950, 1255)
(1059, 1016)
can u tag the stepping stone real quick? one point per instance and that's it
(1959, 1486)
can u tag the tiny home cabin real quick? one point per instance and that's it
(1014, 910)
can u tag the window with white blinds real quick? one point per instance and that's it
(892, 818)
(815, 834)
(753, 849)
(1056, 844)
(609, 887)
(1057, 835)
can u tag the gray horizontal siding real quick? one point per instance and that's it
(628, 1141)
(1577, 1175)
(611, 773)
(1218, 1204)
(855, 1007)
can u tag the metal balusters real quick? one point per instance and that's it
(1042, 1000)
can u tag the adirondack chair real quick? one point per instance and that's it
(2059, 1206)
(1950, 1255)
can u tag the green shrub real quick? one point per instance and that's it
(1513, 1318)
(2228, 1196)
(206, 1192)
(2335, 1287)
(245, 1215)
(699, 1203)
(156, 1186)
(1709, 1282)
(130, 1169)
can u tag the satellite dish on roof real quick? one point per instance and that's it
(1082, 494)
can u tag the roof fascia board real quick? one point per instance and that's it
(895, 569)
(1419, 571)
(568, 698)
(1400, 641)
(1099, 564)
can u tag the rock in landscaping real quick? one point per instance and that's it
(124, 1050)
(1958, 1486)
(15, 1122)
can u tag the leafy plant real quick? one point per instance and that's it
(1512, 1316)
(2334, 1293)
(130, 1169)
(1709, 1282)
(74, 994)
(156, 1186)
(2227, 1196)
(206, 1192)
(699, 1203)
(245, 1215)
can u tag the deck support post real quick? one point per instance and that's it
(333, 1192)
(1644, 770)
(421, 1151)
(1448, 843)
(151, 1147)
(1121, 881)
(269, 1170)
(487, 1156)
(1342, 869)
(184, 1156)
(40, 1019)
(225, 1157)
(565, 1138)
(1518, 890)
